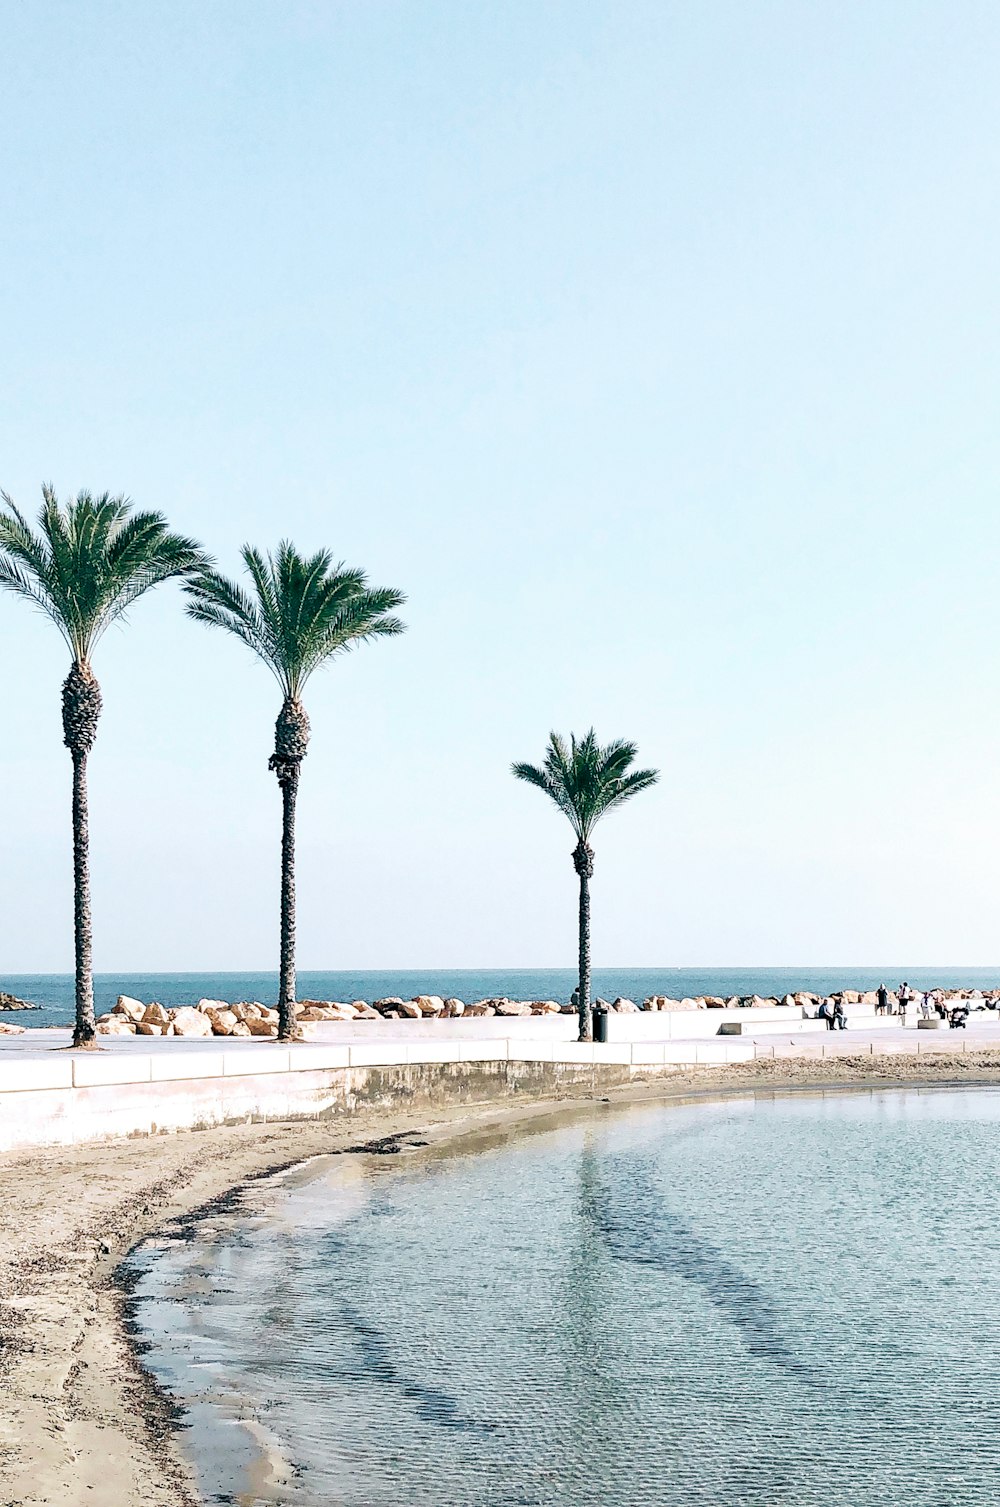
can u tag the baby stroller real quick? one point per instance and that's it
(958, 1016)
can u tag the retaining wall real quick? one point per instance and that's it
(51, 1096)
(90, 1098)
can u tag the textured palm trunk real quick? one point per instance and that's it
(583, 862)
(291, 739)
(85, 1032)
(286, 981)
(81, 709)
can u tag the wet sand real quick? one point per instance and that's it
(81, 1422)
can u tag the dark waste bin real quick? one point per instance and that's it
(600, 1018)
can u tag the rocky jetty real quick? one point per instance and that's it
(803, 1000)
(11, 1002)
(215, 1017)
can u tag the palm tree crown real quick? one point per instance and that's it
(585, 780)
(302, 611)
(89, 561)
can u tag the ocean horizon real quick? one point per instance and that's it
(53, 992)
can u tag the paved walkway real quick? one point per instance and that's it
(337, 1045)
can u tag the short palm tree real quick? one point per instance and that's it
(586, 781)
(89, 560)
(299, 612)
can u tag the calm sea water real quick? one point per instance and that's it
(55, 991)
(756, 1303)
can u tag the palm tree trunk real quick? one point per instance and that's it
(81, 710)
(291, 739)
(286, 982)
(583, 862)
(85, 1034)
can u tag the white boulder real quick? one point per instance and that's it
(245, 1008)
(512, 1007)
(187, 1021)
(116, 1025)
(430, 1004)
(222, 1021)
(318, 1009)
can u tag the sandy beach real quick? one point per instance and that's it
(82, 1422)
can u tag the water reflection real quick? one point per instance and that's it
(781, 1303)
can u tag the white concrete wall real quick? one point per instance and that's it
(50, 1096)
(55, 1098)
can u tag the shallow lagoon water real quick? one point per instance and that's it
(756, 1302)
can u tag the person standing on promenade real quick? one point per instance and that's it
(904, 1000)
(882, 1001)
(926, 1004)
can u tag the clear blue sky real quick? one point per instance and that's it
(651, 348)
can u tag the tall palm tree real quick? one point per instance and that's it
(88, 562)
(586, 781)
(300, 612)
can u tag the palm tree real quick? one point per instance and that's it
(586, 781)
(299, 614)
(86, 565)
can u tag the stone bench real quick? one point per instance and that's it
(769, 1027)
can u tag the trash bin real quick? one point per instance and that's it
(600, 1019)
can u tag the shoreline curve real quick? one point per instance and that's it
(83, 1420)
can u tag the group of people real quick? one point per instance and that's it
(899, 1001)
(927, 1002)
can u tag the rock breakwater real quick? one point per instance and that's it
(11, 1002)
(214, 1017)
(808, 1002)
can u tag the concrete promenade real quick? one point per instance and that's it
(50, 1095)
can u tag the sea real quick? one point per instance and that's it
(775, 1301)
(53, 992)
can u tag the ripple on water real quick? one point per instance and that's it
(774, 1303)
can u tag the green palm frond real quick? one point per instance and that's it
(300, 610)
(584, 780)
(88, 561)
